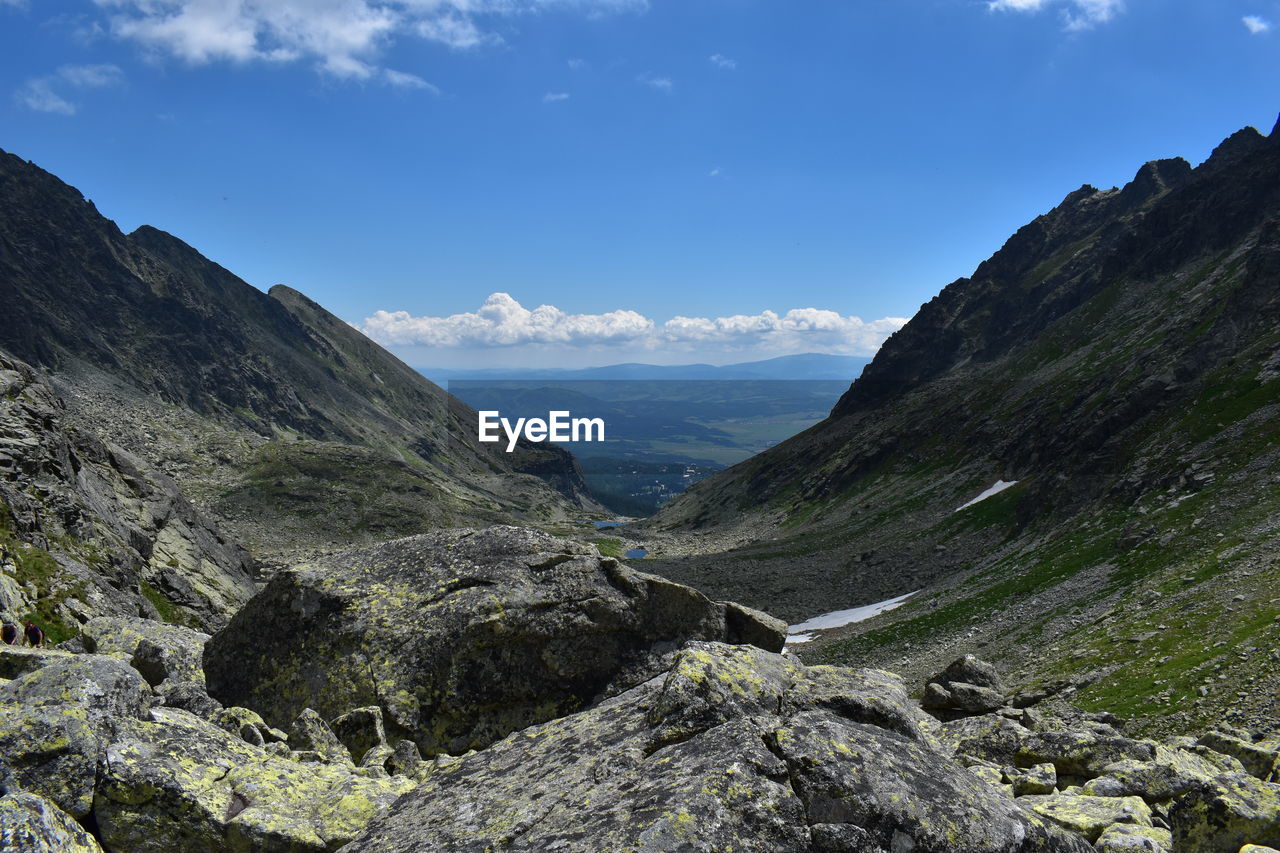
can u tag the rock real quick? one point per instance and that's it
(53, 751)
(971, 670)
(1261, 758)
(311, 733)
(31, 824)
(1220, 817)
(1089, 816)
(98, 684)
(1131, 838)
(245, 724)
(1171, 773)
(1041, 779)
(16, 661)
(179, 783)
(192, 697)
(459, 636)
(968, 685)
(988, 738)
(360, 731)
(405, 760)
(748, 626)
(735, 748)
(1081, 754)
(168, 651)
(1257, 848)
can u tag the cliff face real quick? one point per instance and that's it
(1117, 358)
(141, 331)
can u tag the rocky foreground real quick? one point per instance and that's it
(640, 727)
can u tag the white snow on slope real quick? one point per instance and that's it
(999, 487)
(803, 632)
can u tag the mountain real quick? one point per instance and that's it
(281, 420)
(808, 366)
(1117, 360)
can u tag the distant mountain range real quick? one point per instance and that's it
(808, 366)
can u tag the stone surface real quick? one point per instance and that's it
(360, 730)
(1222, 816)
(734, 748)
(1090, 816)
(460, 637)
(179, 783)
(95, 683)
(310, 733)
(31, 824)
(172, 652)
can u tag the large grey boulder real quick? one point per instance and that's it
(168, 652)
(735, 748)
(461, 636)
(31, 824)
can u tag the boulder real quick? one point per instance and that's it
(1220, 817)
(31, 824)
(1090, 816)
(460, 636)
(158, 650)
(986, 738)
(192, 697)
(360, 731)
(310, 733)
(1040, 779)
(1260, 757)
(967, 686)
(1083, 754)
(179, 783)
(94, 683)
(734, 748)
(53, 751)
(1134, 838)
(1171, 773)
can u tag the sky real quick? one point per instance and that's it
(489, 183)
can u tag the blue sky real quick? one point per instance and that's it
(676, 180)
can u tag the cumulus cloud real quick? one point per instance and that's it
(1077, 15)
(721, 61)
(343, 38)
(43, 94)
(503, 322)
(1256, 25)
(552, 97)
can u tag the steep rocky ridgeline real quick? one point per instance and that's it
(244, 395)
(461, 637)
(87, 529)
(1118, 361)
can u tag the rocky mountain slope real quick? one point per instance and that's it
(276, 416)
(1118, 360)
(87, 529)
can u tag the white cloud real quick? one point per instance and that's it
(504, 322)
(42, 93)
(343, 38)
(577, 64)
(405, 80)
(661, 84)
(552, 97)
(724, 62)
(714, 173)
(1077, 15)
(1255, 24)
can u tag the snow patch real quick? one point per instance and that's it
(999, 487)
(804, 632)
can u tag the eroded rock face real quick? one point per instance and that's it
(735, 748)
(460, 637)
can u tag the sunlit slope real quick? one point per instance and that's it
(1118, 358)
